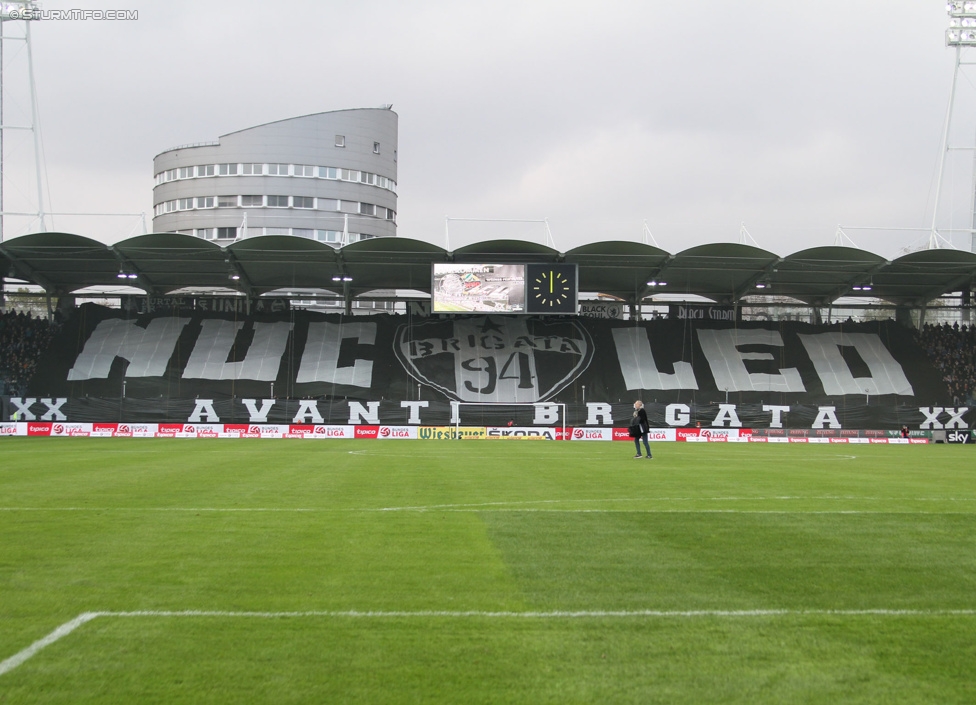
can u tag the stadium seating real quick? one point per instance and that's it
(23, 338)
(952, 350)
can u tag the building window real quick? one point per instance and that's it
(390, 214)
(330, 236)
(302, 232)
(170, 174)
(304, 170)
(340, 141)
(226, 233)
(170, 206)
(206, 233)
(303, 202)
(252, 201)
(328, 204)
(277, 201)
(185, 204)
(376, 147)
(226, 201)
(367, 209)
(277, 231)
(205, 202)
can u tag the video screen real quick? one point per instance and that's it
(478, 288)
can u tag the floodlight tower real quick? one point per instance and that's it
(961, 34)
(21, 11)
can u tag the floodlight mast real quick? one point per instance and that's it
(26, 11)
(961, 34)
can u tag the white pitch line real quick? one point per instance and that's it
(85, 617)
(553, 614)
(434, 507)
(174, 509)
(708, 511)
(62, 631)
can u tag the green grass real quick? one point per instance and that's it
(813, 537)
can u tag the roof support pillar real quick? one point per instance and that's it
(347, 297)
(66, 304)
(635, 310)
(903, 315)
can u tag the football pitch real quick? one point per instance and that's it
(288, 571)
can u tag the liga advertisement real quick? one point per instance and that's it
(446, 433)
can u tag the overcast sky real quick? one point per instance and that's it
(696, 117)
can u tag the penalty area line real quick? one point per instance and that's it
(68, 627)
(62, 631)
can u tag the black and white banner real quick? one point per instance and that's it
(110, 365)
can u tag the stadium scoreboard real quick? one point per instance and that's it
(505, 288)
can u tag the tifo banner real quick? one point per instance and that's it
(705, 312)
(400, 372)
(601, 309)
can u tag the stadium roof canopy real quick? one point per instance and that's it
(161, 263)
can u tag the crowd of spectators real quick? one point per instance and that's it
(23, 338)
(952, 350)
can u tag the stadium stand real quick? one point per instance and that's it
(23, 338)
(952, 350)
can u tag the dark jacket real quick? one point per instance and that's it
(640, 416)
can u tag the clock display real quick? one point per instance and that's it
(551, 288)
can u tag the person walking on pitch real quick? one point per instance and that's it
(639, 428)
